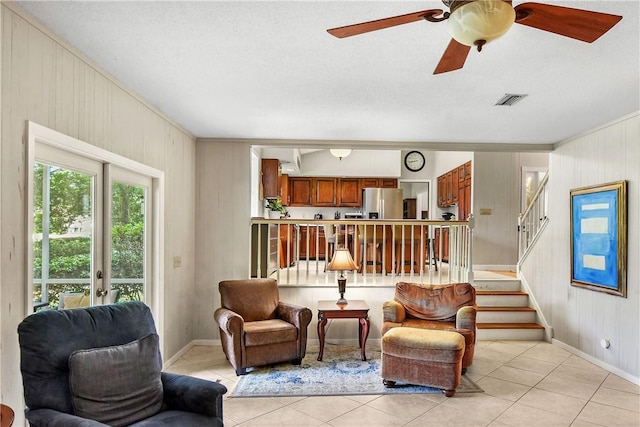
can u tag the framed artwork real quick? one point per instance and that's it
(599, 238)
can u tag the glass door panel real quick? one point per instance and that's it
(63, 237)
(128, 243)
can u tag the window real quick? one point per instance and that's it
(94, 232)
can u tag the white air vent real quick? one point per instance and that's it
(510, 99)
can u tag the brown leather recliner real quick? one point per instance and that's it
(256, 328)
(450, 307)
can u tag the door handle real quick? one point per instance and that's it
(101, 292)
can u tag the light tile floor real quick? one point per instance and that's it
(526, 383)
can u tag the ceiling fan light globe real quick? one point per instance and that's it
(484, 20)
(340, 152)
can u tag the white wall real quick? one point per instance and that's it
(223, 240)
(46, 82)
(360, 163)
(495, 207)
(581, 318)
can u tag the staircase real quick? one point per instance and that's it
(504, 312)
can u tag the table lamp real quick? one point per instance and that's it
(342, 262)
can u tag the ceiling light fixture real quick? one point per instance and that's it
(476, 23)
(340, 152)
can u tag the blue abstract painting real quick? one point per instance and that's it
(595, 238)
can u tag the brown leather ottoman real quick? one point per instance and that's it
(422, 357)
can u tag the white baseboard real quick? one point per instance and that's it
(188, 347)
(489, 267)
(600, 363)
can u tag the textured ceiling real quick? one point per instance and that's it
(269, 70)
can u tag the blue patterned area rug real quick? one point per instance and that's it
(341, 372)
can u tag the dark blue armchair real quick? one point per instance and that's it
(101, 366)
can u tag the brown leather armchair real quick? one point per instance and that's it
(450, 307)
(256, 328)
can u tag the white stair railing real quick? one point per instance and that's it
(533, 220)
(296, 252)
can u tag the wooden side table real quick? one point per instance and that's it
(6, 416)
(356, 309)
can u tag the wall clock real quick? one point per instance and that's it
(414, 161)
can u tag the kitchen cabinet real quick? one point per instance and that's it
(300, 191)
(454, 188)
(325, 192)
(270, 178)
(464, 191)
(288, 236)
(328, 192)
(284, 190)
(370, 182)
(314, 236)
(441, 235)
(379, 182)
(442, 190)
(449, 186)
(464, 172)
(409, 208)
(349, 192)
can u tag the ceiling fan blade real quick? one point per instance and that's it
(578, 24)
(453, 58)
(379, 24)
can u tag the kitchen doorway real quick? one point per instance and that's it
(419, 190)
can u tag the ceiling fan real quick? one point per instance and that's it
(477, 22)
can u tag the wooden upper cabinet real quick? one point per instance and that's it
(461, 173)
(464, 199)
(442, 190)
(454, 185)
(452, 191)
(467, 171)
(328, 192)
(270, 178)
(449, 185)
(284, 189)
(300, 191)
(349, 192)
(370, 182)
(325, 192)
(379, 182)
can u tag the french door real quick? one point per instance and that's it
(92, 230)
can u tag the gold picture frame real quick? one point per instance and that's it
(599, 238)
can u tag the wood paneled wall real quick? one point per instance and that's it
(46, 82)
(581, 318)
(223, 171)
(496, 205)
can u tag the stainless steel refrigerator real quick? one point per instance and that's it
(382, 203)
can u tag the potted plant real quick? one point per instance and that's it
(276, 209)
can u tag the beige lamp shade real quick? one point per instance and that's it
(342, 261)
